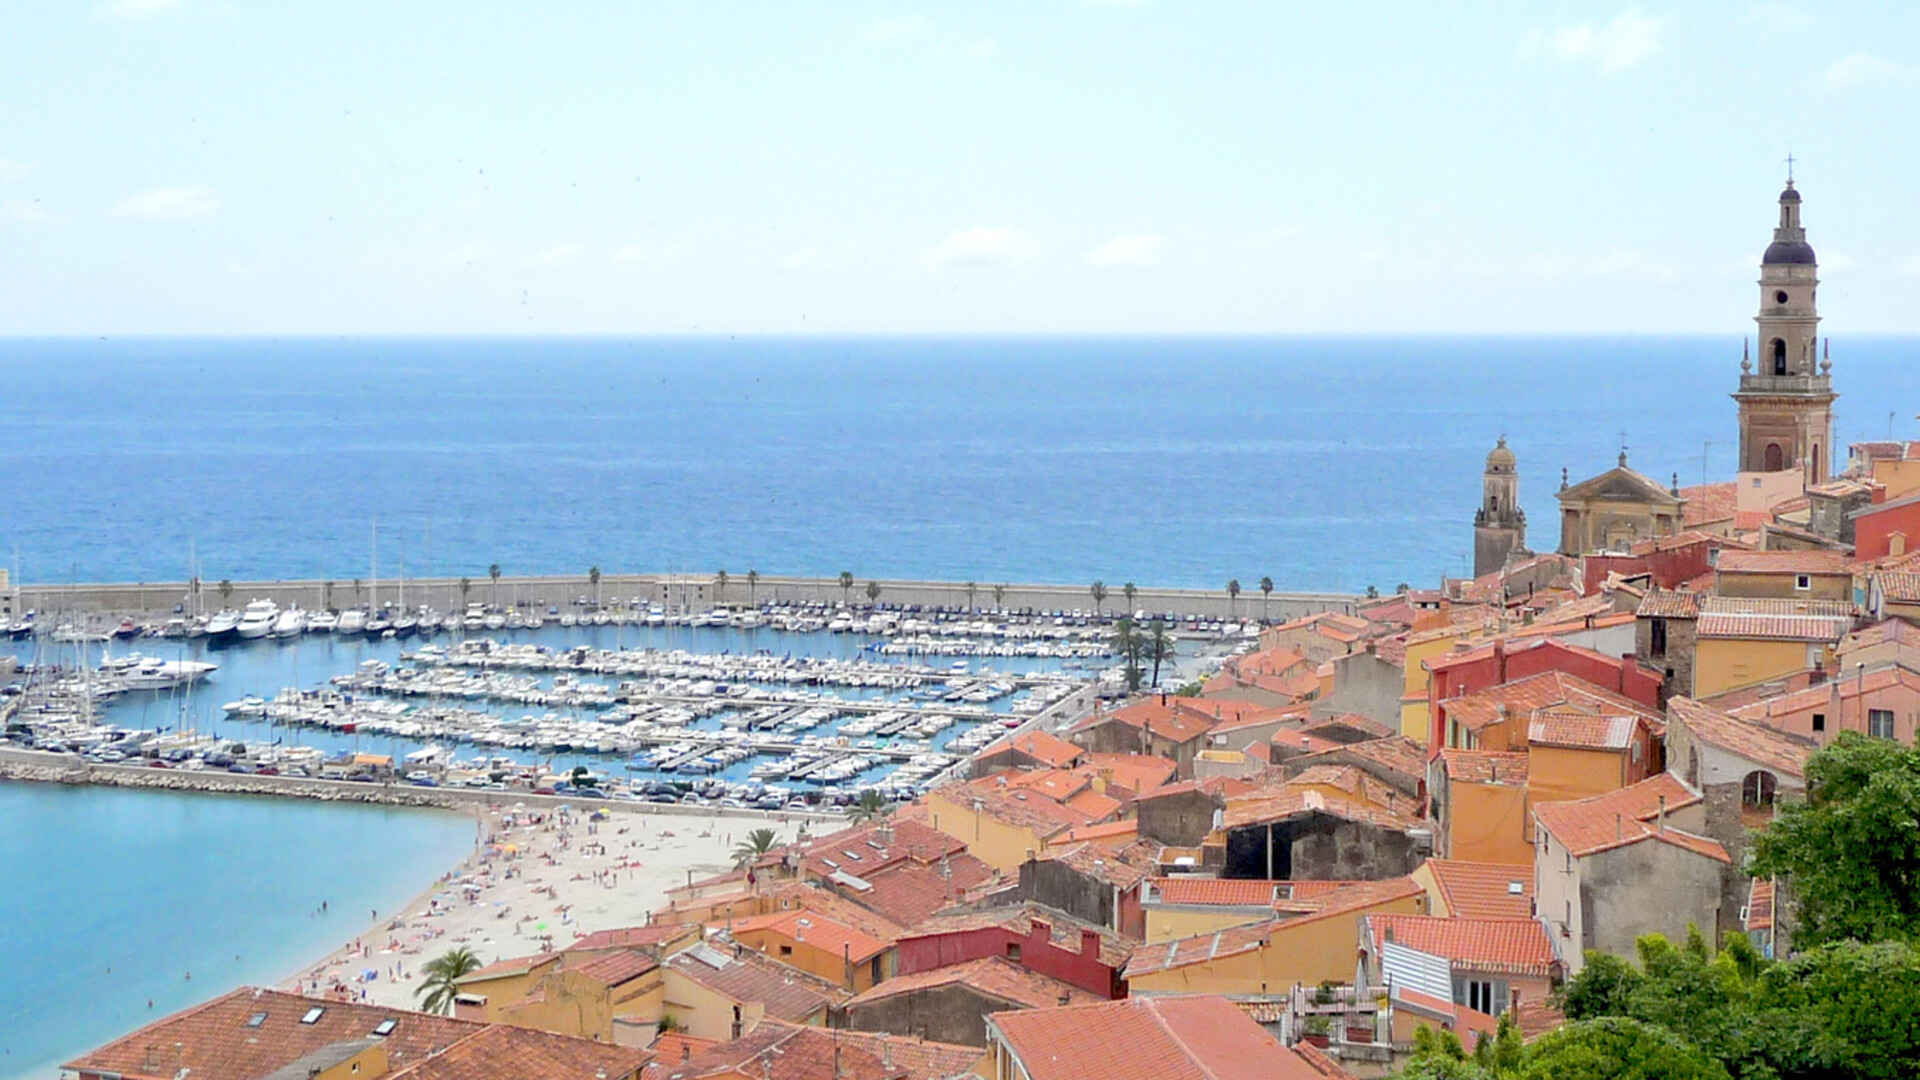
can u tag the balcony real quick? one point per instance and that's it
(1786, 384)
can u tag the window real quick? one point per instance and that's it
(1819, 721)
(1880, 723)
(1479, 994)
(1757, 790)
(1657, 637)
(1013, 950)
(1802, 582)
(874, 969)
(786, 950)
(1779, 357)
(1776, 457)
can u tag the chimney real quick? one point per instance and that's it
(1039, 933)
(1500, 658)
(739, 1024)
(1663, 814)
(1089, 944)
(1619, 828)
(1065, 998)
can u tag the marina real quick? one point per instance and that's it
(769, 708)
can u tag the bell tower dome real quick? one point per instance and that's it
(1786, 396)
(1499, 526)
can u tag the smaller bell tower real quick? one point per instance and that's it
(1499, 526)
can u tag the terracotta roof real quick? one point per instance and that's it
(777, 1051)
(909, 892)
(1486, 766)
(1483, 890)
(1280, 806)
(1536, 1018)
(1122, 867)
(785, 992)
(1395, 754)
(792, 895)
(1903, 588)
(1037, 745)
(1781, 627)
(1205, 948)
(512, 965)
(1136, 772)
(1367, 726)
(1063, 929)
(863, 849)
(1167, 720)
(1581, 731)
(815, 929)
(995, 976)
(1782, 562)
(616, 968)
(1589, 826)
(1669, 604)
(1517, 699)
(1199, 1037)
(505, 1051)
(1223, 892)
(1759, 910)
(1014, 806)
(1105, 832)
(1708, 504)
(1514, 946)
(674, 1047)
(221, 1039)
(921, 1059)
(629, 937)
(1784, 754)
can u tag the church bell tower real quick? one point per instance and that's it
(1786, 405)
(1499, 526)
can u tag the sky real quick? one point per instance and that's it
(1043, 166)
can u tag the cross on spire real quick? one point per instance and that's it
(1789, 166)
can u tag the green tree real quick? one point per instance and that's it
(1130, 646)
(226, 590)
(1850, 853)
(757, 843)
(1233, 594)
(846, 586)
(873, 592)
(1129, 590)
(753, 588)
(719, 585)
(1616, 1048)
(999, 594)
(593, 579)
(972, 588)
(442, 973)
(872, 806)
(466, 586)
(1266, 593)
(1159, 646)
(1099, 594)
(493, 571)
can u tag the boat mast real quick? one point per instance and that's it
(373, 572)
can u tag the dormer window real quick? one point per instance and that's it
(1803, 582)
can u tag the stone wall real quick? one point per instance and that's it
(950, 1014)
(1061, 887)
(1182, 819)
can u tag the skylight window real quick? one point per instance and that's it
(385, 1027)
(314, 1014)
(256, 1019)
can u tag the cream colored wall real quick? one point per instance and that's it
(1781, 586)
(571, 1004)
(705, 1013)
(1555, 774)
(1487, 823)
(1166, 924)
(1723, 664)
(1001, 846)
(1902, 478)
(1304, 951)
(506, 990)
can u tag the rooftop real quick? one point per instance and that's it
(1483, 890)
(1063, 929)
(1486, 766)
(1590, 826)
(994, 976)
(502, 1051)
(812, 928)
(1039, 746)
(1198, 1037)
(1510, 946)
(1215, 892)
(786, 993)
(1782, 562)
(1784, 754)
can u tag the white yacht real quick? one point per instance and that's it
(258, 619)
(291, 623)
(137, 672)
(353, 621)
(322, 622)
(223, 625)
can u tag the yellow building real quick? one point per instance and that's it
(485, 992)
(1002, 826)
(1479, 801)
(1270, 958)
(1743, 642)
(820, 946)
(721, 995)
(1190, 907)
(1784, 575)
(617, 998)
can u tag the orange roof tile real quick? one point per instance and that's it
(1221, 892)
(1483, 890)
(1784, 754)
(1199, 1037)
(1669, 604)
(673, 1047)
(908, 892)
(778, 1051)
(1582, 731)
(815, 929)
(628, 937)
(994, 976)
(1708, 504)
(1135, 772)
(1782, 562)
(502, 1050)
(744, 975)
(1517, 946)
(1589, 826)
(1205, 948)
(616, 968)
(919, 1059)
(1519, 698)
(1037, 745)
(1486, 766)
(1279, 806)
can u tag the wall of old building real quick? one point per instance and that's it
(1061, 887)
(1365, 683)
(1319, 847)
(950, 1014)
(1182, 819)
(1646, 888)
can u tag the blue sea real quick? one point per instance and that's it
(1325, 463)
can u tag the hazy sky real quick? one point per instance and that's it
(220, 167)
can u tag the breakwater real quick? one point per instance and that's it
(676, 592)
(28, 766)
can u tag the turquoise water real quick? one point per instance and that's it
(110, 898)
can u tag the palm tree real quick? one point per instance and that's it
(358, 588)
(493, 571)
(1233, 594)
(753, 587)
(757, 843)
(846, 586)
(1128, 643)
(971, 589)
(719, 585)
(1266, 590)
(443, 973)
(873, 592)
(466, 586)
(871, 807)
(1159, 647)
(1129, 591)
(326, 595)
(1099, 594)
(999, 594)
(593, 579)
(226, 590)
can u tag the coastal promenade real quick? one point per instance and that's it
(676, 592)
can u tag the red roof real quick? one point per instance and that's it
(1198, 1037)
(1782, 562)
(1039, 746)
(1224, 892)
(502, 1051)
(1589, 826)
(1517, 699)
(1516, 946)
(616, 968)
(1784, 754)
(1486, 766)
(994, 976)
(815, 929)
(1204, 948)
(1483, 890)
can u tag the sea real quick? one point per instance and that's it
(1325, 463)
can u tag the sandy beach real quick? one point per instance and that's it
(538, 879)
